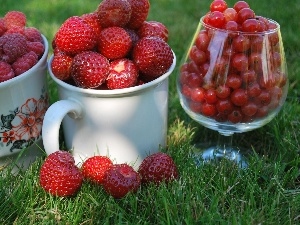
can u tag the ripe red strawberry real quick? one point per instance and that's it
(6, 71)
(153, 29)
(114, 43)
(14, 19)
(25, 62)
(89, 69)
(114, 13)
(93, 21)
(121, 179)
(139, 13)
(75, 36)
(93, 168)
(59, 175)
(153, 56)
(158, 167)
(61, 65)
(13, 46)
(123, 74)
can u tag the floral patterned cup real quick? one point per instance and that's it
(23, 103)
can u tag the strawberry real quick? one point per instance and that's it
(59, 175)
(13, 46)
(93, 168)
(14, 19)
(114, 43)
(89, 69)
(93, 21)
(153, 29)
(114, 13)
(121, 179)
(158, 167)
(153, 56)
(6, 71)
(61, 65)
(24, 63)
(139, 13)
(123, 74)
(75, 36)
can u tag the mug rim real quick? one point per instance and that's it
(28, 73)
(107, 93)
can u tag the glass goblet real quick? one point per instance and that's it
(233, 82)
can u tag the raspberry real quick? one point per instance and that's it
(32, 34)
(24, 63)
(13, 46)
(36, 47)
(6, 72)
(14, 18)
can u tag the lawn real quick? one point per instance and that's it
(267, 192)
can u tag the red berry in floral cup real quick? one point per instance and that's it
(23, 88)
(244, 59)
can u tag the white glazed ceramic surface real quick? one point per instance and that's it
(23, 103)
(124, 124)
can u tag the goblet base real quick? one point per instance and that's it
(215, 154)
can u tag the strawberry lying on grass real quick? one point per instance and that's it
(60, 176)
(113, 30)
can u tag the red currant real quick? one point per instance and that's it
(264, 98)
(198, 56)
(216, 19)
(241, 43)
(231, 25)
(249, 109)
(211, 96)
(235, 116)
(208, 109)
(244, 14)
(224, 106)
(202, 40)
(239, 97)
(240, 5)
(248, 77)
(240, 62)
(198, 94)
(218, 5)
(250, 25)
(230, 14)
(253, 90)
(223, 91)
(234, 81)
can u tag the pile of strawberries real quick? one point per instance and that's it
(21, 47)
(61, 177)
(111, 48)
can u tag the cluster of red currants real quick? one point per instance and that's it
(234, 70)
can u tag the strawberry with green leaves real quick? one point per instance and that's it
(59, 175)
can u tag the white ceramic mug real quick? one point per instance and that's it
(23, 103)
(123, 124)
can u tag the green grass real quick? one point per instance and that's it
(268, 192)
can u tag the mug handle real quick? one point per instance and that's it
(53, 119)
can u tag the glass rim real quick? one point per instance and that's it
(243, 32)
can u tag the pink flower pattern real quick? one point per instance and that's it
(24, 125)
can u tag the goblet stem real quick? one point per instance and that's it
(222, 150)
